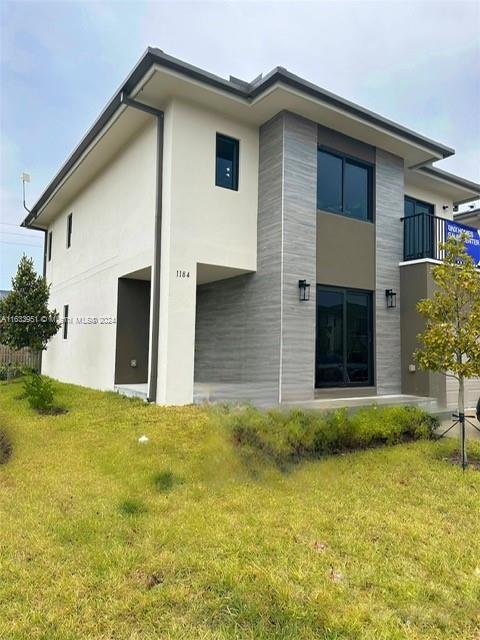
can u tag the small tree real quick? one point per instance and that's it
(451, 340)
(25, 320)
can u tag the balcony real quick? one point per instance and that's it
(422, 235)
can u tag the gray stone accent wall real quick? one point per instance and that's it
(221, 331)
(297, 373)
(389, 252)
(254, 339)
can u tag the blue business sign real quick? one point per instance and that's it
(472, 243)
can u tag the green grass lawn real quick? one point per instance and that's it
(102, 537)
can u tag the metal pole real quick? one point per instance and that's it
(461, 417)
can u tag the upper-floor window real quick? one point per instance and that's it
(50, 246)
(69, 230)
(414, 207)
(226, 167)
(344, 185)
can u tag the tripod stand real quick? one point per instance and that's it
(460, 419)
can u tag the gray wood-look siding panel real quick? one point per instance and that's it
(299, 257)
(389, 253)
(238, 320)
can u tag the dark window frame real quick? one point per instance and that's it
(69, 230)
(65, 321)
(418, 201)
(50, 235)
(418, 229)
(236, 161)
(359, 162)
(371, 337)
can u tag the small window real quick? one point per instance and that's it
(65, 322)
(49, 246)
(69, 230)
(344, 185)
(226, 169)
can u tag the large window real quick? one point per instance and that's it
(226, 168)
(344, 185)
(344, 340)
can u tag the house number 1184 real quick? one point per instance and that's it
(183, 274)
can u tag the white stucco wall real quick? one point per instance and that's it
(430, 196)
(202, 223)
(113, 227)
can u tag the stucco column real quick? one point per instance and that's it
(177, 336)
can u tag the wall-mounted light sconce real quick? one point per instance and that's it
(304, 290)
(391, 297)
(445, 207)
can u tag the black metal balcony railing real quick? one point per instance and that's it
(422, 235)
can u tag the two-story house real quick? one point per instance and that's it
(263, 241)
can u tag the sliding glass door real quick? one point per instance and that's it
(344, 337)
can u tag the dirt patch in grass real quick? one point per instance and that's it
(5, 448)
(54, 411)
(456, 459)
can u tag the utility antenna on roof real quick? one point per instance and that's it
(25, 177)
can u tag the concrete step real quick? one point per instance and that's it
(132, 390)
(355, 402)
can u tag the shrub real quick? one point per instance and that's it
(39, 392)
(5, 447)
(10, 371)
(289, 436)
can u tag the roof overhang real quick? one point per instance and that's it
(472, 218)
(447, 184)
(158, 78)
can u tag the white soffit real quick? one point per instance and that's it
(439, 185)
(95, 159)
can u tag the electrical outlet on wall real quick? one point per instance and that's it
(133, 363)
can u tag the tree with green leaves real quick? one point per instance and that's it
(450, 342)
(25, 319)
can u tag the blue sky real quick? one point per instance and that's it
(414, 62)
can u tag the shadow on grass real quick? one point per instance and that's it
(132, 507)
(6, 448)
(166, 480)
